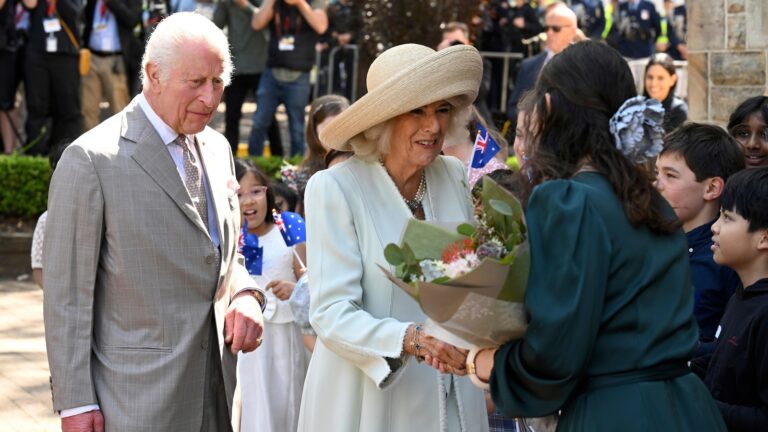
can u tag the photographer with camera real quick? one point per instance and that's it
(638, 27)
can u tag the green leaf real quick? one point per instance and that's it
(393, 254)
(501, 207)
(427, 240)
(409, 258)
(466, 229)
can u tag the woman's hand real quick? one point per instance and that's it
(441, 355)
(282, 289)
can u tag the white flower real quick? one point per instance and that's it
(462, 265)
(431, 270)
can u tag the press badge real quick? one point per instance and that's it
(51, 43)
(51, 25)
(286, 43)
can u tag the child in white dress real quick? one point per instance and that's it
(272, 377)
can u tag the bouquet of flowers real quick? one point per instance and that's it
(469, 279)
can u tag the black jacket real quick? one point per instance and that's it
(676, 113)
(737, 372)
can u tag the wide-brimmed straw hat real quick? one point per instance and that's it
(406, 77)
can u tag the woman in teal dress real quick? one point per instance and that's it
(609, 295)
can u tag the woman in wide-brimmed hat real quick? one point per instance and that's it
(364, 374)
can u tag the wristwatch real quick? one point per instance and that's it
(259, 296)
(472, 369)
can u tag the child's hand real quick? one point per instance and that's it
(282, 289)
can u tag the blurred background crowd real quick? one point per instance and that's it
(65, 65)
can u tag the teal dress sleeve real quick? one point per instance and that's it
(570, 249)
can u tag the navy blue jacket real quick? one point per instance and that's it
(526, 80)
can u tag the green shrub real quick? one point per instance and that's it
(24, 182)
(271, 164)
(23, 185)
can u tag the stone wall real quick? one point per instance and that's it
(728, 46)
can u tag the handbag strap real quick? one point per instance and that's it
(66, 29)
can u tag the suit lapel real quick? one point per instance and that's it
(217, 184)
(153, 157)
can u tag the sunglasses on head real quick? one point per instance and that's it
(555, 28)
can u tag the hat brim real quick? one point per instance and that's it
(452, 74)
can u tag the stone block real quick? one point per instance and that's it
(706, 24)
(736, 6)
(737, 32)
(698, 87)
(726, 99)
(738, 68)
(757, 24)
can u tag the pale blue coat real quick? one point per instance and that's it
(359, 379)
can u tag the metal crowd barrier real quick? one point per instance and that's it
(329, 68)
(507, 57)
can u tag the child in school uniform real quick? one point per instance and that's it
(737, 372)
(693, 167)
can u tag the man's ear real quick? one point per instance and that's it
(714, 188)
(153, 74)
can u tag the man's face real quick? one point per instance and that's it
(559, 40)
(451, 37)
(188, 96)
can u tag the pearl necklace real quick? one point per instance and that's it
(415, 203)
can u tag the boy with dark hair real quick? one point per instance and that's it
(737, 371)
(693, 167)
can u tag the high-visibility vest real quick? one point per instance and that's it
(608, 19)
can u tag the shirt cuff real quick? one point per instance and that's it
(263, 302)
(79, 410)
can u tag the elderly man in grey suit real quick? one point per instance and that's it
(147, 300)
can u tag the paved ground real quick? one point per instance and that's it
(25, 396)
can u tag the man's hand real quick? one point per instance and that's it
(243, 323)
(91, 421)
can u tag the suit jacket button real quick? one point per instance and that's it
(209, 259)
(204, 345)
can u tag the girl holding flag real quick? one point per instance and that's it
(271, 378)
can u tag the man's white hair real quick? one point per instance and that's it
(163, 47)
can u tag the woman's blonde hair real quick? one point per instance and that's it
(373, 143)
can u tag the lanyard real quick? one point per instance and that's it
(51, 6)
(286, 24)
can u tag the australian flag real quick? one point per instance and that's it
(291, 226)
(253, 253)
(485, 148)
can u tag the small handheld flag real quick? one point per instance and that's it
(485, 148)
(248, 244)
(293, 230)
(291, 226)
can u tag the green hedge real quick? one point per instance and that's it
(24, 182)
(23, 185)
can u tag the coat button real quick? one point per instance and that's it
(209, 259)
(204, 345)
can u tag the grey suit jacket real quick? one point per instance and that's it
(132, 285)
